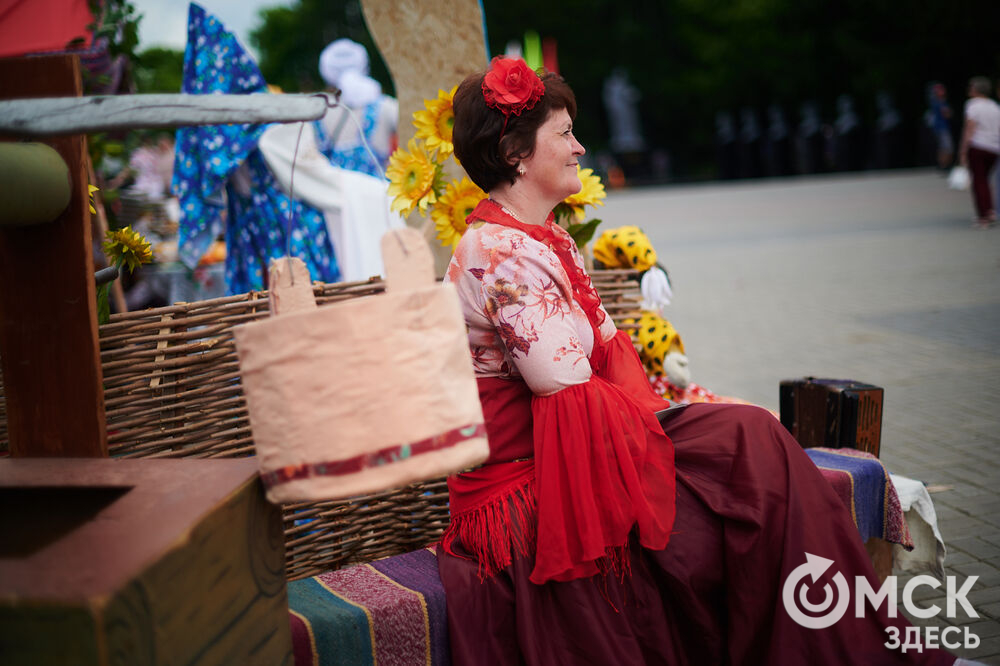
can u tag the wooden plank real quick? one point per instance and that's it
(48, 318)
(75, 115)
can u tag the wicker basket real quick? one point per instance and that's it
(172, 390)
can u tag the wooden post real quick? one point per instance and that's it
(49, 347)
(401, 28)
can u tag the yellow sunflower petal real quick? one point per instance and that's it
(128, 247)
(434, 124)
(411, 175)
(591, 192)
(460, 197)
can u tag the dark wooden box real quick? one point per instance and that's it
(836, 413)
(140, 562)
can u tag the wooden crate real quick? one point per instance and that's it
(140, 562)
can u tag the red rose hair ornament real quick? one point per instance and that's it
(511, 87)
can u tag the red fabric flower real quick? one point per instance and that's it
(511, 86)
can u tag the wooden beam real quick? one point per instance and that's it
(49, 349)
(76, 115)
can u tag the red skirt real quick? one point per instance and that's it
(749, 505)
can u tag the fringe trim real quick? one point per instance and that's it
(495, 532)
(616, 562)
(505, 527)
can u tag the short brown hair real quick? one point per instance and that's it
(488, 158)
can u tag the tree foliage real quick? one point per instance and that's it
(159, 70)
(290, 40)
(692, 58)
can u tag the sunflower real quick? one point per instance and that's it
(125, 246)
(411, 177)
(434, 124)
(459, 199)
(591, 193)
(90, 190)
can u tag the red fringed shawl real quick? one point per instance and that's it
(571, 473)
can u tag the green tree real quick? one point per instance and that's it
(158, 70)
(290, 40)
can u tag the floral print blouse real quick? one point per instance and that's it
(519, 309)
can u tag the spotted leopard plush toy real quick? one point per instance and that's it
(661, 349)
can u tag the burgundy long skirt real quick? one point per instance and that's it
(750, 505)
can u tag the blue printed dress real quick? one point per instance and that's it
(223, 182)
(355, 158)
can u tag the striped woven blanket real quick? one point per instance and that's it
(862, 483)
(392, 612)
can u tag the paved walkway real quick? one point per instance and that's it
(874, 277)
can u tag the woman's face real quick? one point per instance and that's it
(551, 169)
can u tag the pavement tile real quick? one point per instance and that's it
(982, 595)
(976, 547)
(985, 628)
(984, 570)
(988, 652)
(990, 610)
(953, 557)
(956, 530)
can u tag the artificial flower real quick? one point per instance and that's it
(125, 246)
(590, 194)
(411, 175)
(457, 203)
(511, 86)
(434, 124)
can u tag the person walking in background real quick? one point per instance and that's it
(809, 140)
(980, 147)
(998, 170)
(725, 145)
(939, 121)
(848, 146)
(621, 101)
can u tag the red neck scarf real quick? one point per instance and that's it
(562, 244)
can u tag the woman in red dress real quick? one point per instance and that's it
(600, 531)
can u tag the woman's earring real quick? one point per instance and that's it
(520, 171)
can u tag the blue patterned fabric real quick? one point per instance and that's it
(253, 215)
(356, 158)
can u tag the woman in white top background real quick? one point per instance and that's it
(981, 146)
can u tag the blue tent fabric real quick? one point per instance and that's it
(208, 157)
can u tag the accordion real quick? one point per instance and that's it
(835, 413)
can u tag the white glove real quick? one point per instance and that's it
(655, 288)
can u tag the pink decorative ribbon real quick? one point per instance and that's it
(384, 456)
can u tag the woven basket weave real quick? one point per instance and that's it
(173, 390)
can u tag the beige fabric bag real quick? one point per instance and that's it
(364, 395)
